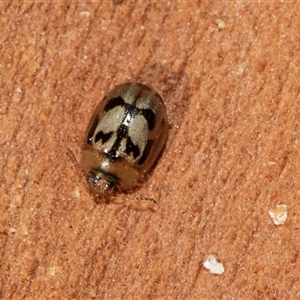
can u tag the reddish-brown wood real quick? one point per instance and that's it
(232, 155)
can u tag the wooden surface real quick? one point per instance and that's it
(232, 155)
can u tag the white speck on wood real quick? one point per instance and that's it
(213, 265)
(279, 214)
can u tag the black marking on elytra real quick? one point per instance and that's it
(146, 152)
(130, 112)
(122, 131)
(103, 136)
(89, 137)
(113, 155)
(131, 148)
(118, 101)
(150, 117)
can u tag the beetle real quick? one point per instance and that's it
(124, 139)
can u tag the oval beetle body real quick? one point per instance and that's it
(125, 137)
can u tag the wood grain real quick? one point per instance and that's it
(232, 155)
